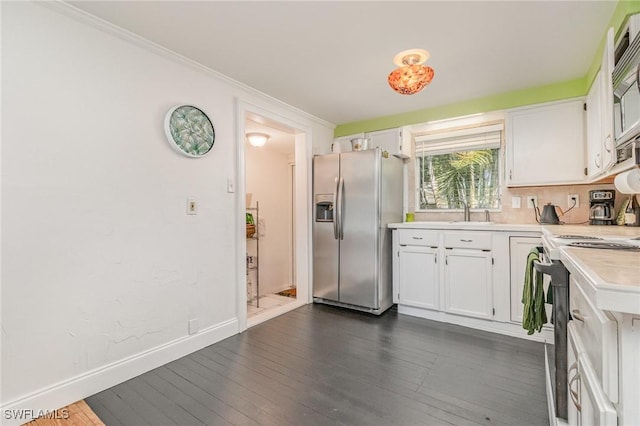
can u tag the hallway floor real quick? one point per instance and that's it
(268, 301)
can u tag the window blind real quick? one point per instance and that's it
(485, 137)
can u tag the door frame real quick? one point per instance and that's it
(302, 221)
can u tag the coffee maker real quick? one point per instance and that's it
(601, 210)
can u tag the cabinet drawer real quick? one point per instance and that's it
(598, 331)
(418, 237)
(472, 240)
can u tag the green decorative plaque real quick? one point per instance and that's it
(189, 130)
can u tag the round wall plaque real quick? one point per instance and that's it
(189, 130)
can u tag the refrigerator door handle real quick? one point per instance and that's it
(341, 207)
(336, 235)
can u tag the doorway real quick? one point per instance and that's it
(270, 212)
(273, 187)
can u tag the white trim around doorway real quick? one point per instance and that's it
(302, 221)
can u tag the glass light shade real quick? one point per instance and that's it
(410, 79)
(257, 139)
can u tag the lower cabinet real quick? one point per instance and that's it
(418, 283)
(588, 404)
(468, 283)
(462, 276)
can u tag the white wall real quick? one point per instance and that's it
(267, 178)
(101, 267)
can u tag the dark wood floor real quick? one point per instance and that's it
(321, 365)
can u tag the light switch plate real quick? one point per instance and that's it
(192, 206)
(516, 202)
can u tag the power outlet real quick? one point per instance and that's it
(532, 201)
(193, 326)
(570, 200)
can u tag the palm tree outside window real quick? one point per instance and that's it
(459, 167)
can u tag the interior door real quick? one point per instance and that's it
(359, 263)
(326, 170)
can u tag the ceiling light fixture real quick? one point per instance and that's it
(257, 139)
(411, 76)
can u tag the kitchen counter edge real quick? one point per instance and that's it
(467, 227)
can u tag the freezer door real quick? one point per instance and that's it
(360, 204)
(326, 169)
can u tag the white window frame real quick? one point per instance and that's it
(441, 146)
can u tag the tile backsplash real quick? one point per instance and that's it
(556, 195)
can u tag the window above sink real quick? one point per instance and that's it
(459, 167)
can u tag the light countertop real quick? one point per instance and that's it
(612, 231)
(471, 226)
(612, 277)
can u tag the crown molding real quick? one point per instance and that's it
(80, 15)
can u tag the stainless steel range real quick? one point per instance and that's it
(612, 239)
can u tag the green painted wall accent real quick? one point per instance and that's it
(551, 92)
(534, 95)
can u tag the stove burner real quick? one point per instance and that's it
(604, 245)
(578, 237)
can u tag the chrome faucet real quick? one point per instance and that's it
(467, 211)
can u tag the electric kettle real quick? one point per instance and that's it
(549, 215)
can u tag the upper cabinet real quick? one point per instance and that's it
(389, 140)
(546, 144)
(595, 128)
(601, 155)
(606, 104)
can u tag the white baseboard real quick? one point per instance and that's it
(99, 379)
(270, 313)
(508, 329)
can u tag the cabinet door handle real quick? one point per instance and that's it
(466, 241)
(435, 259)
(574, 393)
(417, 238)
(607, 143)
(577, 315)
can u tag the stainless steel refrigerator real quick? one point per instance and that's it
(355, 195)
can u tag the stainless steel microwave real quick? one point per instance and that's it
(626, 96)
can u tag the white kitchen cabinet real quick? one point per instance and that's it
(595, 130)
(573, 402)
(418, 283)
(601, 155)
(468, 283)
(606, 104)
(545, 144)
(472, 289)
(343, 143)
(588, 404)
(389, 140)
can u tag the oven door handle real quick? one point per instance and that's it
(545, 268)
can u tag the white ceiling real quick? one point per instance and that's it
(331, 58)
